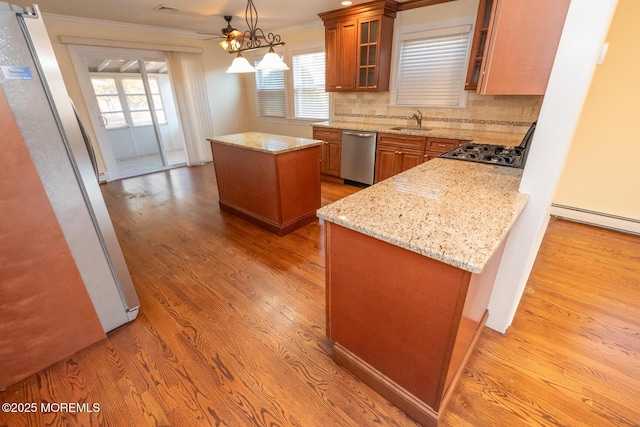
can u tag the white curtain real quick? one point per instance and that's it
(187, 77)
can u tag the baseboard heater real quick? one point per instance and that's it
(599, 219)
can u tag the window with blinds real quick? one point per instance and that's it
(271, 94)
(310, 101)
(432, 67)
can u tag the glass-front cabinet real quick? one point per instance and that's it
(368, 47)
(359, 58)
(479, 45)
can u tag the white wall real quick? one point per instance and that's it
(584, 31)
(602, 166)
(228, 105)
(312, 36)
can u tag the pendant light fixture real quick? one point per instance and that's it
(254, 38)
(272, 61)
(240, 65)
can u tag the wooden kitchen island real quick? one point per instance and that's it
(410, 266)
(270, 180)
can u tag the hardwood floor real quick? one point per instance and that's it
(231, 330)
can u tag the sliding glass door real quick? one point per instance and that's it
(133, 112)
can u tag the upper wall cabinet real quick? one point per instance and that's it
(358, 46)
(514, 46)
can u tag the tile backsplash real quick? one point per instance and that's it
(483, 112)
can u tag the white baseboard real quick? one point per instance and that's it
(626, 225)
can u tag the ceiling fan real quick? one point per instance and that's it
(231, 36)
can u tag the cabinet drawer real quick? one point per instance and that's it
(402, 141)
(327, 133)
(440, 145)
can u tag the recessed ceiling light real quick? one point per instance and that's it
(347, 3)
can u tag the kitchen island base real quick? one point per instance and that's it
(405, 324)
(278, 191)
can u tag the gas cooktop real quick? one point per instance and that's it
(502, 155)
(486, 153)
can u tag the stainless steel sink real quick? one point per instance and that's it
(408, 128)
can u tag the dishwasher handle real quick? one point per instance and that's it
(358, 134)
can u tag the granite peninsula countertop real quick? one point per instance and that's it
(478, 136)
(265, 142)
(452, 211)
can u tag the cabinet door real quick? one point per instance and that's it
(368, 48)
(409, 159)
(330, 153)
(347, 65)
(374, 53)
(522, 42)
(340, 49)
(386, 162)
(479, 44)
(324, 158)
(332, 62)
(334, 157)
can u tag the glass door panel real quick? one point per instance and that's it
(136, 108)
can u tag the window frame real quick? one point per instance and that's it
(294, 90)
(256, 61)
(122, 95)
(288, 86)
(402, 33)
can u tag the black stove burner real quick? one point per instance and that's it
(487, 153)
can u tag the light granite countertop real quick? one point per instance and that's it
(265, 142)
(477, 136)
(452, 211)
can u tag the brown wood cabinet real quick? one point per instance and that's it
(279, 191)
(358, 46)
(413, 347)
(437, 146)
(514, 46)
(397, 153)
(340, 48)
(330, 153)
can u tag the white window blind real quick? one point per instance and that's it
(432, 67)
(309, 97)
(271, 96)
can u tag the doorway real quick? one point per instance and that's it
(130, 100)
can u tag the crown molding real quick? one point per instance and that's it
(74, 20)
(302, 27)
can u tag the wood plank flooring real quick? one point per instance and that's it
(231, 330)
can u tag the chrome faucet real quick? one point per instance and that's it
(418, 118)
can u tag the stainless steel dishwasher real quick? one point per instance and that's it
(358, 156)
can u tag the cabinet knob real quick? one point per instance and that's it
(441, 145)
(338, 87)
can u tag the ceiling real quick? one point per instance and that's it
(204, 16)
